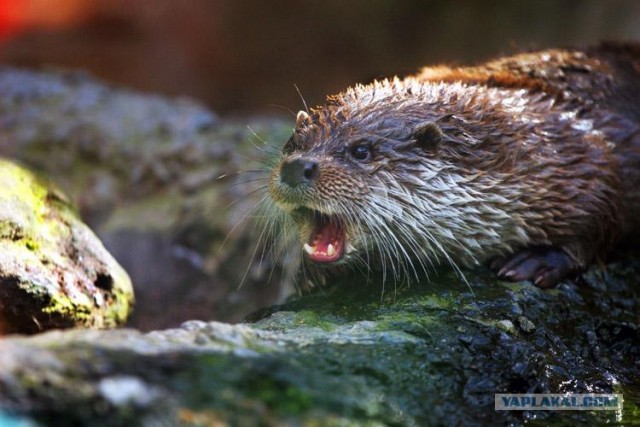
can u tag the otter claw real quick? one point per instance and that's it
(545, 266)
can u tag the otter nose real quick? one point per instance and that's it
(298, 172)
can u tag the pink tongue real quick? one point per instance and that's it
(326, 234)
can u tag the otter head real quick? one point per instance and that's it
(343, 175)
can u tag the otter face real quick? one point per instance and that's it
(329, 179)
(318, 189)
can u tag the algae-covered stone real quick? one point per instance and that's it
(359, 352)
(144, 171)
(54, 272)
(352, 354)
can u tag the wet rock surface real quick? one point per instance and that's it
(54, 272)
(423, 355)
(144, 172)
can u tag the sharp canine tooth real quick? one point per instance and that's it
(331, 251)
(309, 249)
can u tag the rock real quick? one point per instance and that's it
(525, 324)
(54, 272)
(144, 171)
(354, 352)
(351, 354)
(506, 325)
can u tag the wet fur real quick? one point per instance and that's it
(538, 150)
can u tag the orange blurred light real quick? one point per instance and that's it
(12, 14)
(18, 15)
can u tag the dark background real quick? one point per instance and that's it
(245, 56)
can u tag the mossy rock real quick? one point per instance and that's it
(163, 182)
(351, 354)
(54, 272)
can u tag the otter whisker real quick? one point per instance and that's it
(436, 243)
(306, 107)
(267, 148)
(404, 175)
(259, 243)
(393, 241)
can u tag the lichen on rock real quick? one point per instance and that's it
(163, 182)
(354, 352)
(351, 354)
(54, 272)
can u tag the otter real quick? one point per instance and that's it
(529, 164)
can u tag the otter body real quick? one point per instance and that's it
(530, 164)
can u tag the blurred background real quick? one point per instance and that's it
(155, 200)
(246, 56)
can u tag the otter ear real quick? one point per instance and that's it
(428, 136)
(302, 119)
(291, 145)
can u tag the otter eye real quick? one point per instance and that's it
(361, 152)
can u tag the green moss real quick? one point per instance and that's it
(284, 399)
(43, 243)
(118, 312)
(31, 245)
(314, 319)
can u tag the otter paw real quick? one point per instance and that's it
(545, 267)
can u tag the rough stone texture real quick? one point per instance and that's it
(348, 355)
(54, 272)
(144, 171)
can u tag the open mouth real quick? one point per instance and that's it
(327, 240)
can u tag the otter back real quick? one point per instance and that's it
(530, 163)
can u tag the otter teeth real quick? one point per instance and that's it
(331, 250)
(309, 249)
